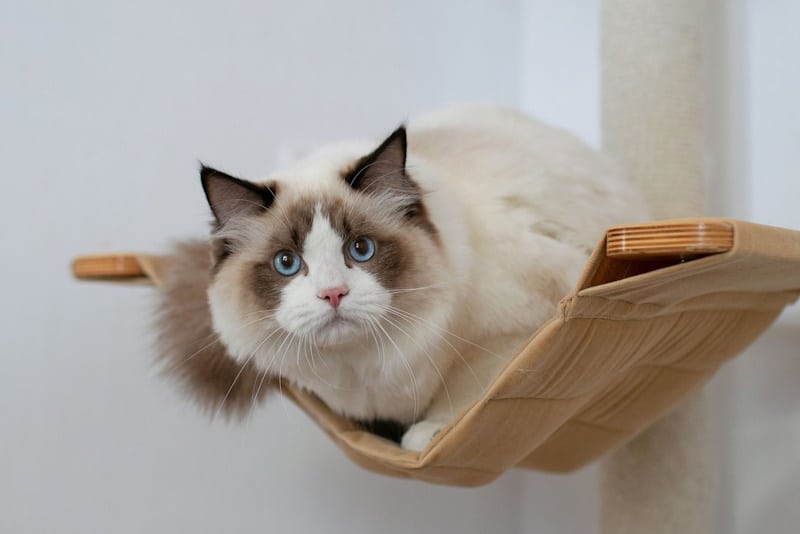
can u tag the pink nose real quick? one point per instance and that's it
(334, 295)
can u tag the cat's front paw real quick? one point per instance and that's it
(419, 435)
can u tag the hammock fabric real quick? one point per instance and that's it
(659, 308)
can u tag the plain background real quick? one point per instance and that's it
(106, 108)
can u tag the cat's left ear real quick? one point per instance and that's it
(384, 170)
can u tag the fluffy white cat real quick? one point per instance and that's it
(395, 282)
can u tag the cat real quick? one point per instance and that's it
(392, 281)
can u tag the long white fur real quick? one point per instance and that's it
(518, 206)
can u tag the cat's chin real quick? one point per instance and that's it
(339, 332)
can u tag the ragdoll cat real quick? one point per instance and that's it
(393, 280)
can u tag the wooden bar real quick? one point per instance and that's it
(107, 267)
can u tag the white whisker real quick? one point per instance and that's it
(332, 386)
(408, 368)
(257, 391)
(431, 360)
(201, 349)
(408, 318)
(195, 353)
(361, 170)
(410, 289)
(429, 324)
(263, 377)
(378, 347)
(227, 393)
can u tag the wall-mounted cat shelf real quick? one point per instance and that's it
(659, 308)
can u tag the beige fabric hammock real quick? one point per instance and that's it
(644, 328)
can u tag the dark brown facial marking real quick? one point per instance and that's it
(221, 249)
(389, 263)
(335, 211)
(267, 284)
(418, 216)
(392, 250)
(265, 281)
(301, 217)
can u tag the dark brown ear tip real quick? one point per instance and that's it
(205, 176)
(205, 170)
(398, 139)
(400, 133)
(207, 173)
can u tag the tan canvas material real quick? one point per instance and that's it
(635, 338)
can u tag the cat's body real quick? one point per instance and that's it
(395, 283)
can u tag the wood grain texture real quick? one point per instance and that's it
(107, 266)
(666, 239)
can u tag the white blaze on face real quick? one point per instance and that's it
(303, 312)
(323, 253)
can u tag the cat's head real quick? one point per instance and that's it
(310, 263)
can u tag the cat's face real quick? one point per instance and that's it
(311, 267)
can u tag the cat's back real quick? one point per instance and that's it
(470, 133)
(507, 165)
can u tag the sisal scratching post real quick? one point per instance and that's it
(652, 99)
(653, 124)
(659, 483)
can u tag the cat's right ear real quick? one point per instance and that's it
(231, 197)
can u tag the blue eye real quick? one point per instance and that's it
(362, 249)
(287, 263)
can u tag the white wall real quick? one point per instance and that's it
(560, 71)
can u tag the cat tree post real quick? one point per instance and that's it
(652, 122)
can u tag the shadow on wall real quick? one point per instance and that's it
(780, 370)
(767, 432)
(782, 502)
